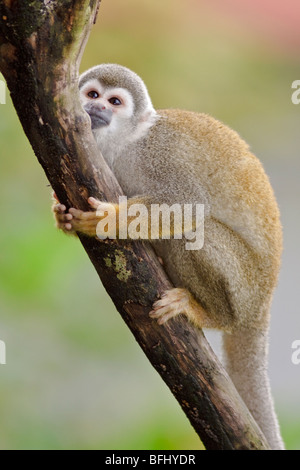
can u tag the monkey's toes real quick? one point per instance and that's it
(162, 315)
(168, 306)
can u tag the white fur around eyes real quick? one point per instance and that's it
(90, 85)
(127, 108)
(124, 96)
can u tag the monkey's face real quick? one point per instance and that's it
(107, 107)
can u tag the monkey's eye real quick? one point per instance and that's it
(115, 101)
(93, 94)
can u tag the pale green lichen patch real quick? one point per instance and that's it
(108, 262)
(119, 265)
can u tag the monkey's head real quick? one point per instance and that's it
(117, 102)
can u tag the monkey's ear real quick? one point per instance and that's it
(147, 115)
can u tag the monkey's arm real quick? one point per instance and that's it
(110, 220)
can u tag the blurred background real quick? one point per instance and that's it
(75, 378)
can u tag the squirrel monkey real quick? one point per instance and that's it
(173, 156)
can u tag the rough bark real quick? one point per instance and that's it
(40, 49)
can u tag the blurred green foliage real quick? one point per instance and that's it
(75, 378)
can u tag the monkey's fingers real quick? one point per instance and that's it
(84, 222)
(62, 219)
(93, 202)
(59, 208)
(81, 215)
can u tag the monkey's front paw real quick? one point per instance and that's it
(172, 303)
(75, 220)
(88, 222)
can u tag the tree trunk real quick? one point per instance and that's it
(40, 50)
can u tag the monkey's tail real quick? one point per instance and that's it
(246, 361)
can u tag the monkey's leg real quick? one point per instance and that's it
(180, 301)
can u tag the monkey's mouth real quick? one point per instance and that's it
(98, 121)
(99, 117)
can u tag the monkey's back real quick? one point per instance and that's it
(238, 189)
(193, 158)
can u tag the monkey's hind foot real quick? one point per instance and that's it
(179, 301)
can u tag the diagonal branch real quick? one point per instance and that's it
(40, 49)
